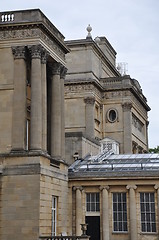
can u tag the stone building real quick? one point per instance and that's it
(116, 195)
(100, 102)
(104, 111)
(33, 174)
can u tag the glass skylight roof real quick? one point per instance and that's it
(117, 162)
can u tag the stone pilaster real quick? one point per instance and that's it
(105, 212)
(156, 187)
(19, 99)
(127, 121)
(44, 57)
(132, 206)
(89, 101)
(56, 112)
(78, 209)
(36, 98)
(62, 76)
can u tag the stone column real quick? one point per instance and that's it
(19, 99)
(133, 217)
(78, 209)
(44, 98)
(127, 126)
(56, 112)
(89, 101)
(62, 76)
(156, 187)
(36, 98)
(105, 212)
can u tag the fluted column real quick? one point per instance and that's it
(36, 98)
(56, 112)
(44, 98)
(89, 101)
(62, 76)
(127, 121)
(19, 99)
(133, 217)
(78, 209)
(105, 212)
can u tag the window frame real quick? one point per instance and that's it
(145, 212)
(123, 213)
(54, 215)
(91, 203)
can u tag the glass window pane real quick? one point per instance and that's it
(143, 227)
(125, 226)
(142, 207)
(153, 227)
(92, 197)
(119, 197)
(124, 197)
(88, 197)
(152, 207)
(97, 207)
(152, 197)
(146, 197)
(119, 206)
(141, 197)
(148, 227)
(115, 226)
(115, 206)
(115, 216)
(147, 207)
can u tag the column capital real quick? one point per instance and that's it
(127, 106)
(101, 188)
(35, 51)
(56, 68)
(131, 187)
(19, 52)
(63, 72)
(44, 56)
(156, 186)
(89, 100)
(77, 188)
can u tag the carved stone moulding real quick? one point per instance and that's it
(29, 33)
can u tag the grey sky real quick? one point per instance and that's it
(132, 28)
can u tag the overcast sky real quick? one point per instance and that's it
(132, 28)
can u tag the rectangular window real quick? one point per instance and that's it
(54, 215)
(92, 202)
(147, 206)
(119, 212)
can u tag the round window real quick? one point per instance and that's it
(112, 115)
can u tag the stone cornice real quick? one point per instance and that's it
(92, 43)
(29, 33)
(25, 19)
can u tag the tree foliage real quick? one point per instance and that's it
(154, 150)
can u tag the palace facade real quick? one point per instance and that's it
(62, 168)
